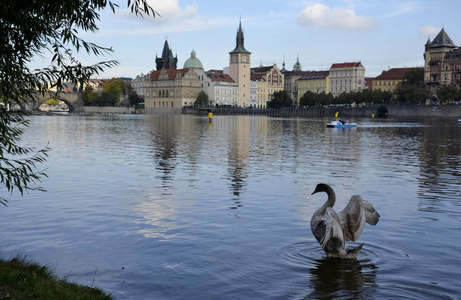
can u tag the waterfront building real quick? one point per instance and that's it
(221, 89)
(442, 63)
(138, 85)
(170, 90)
(388, 80)
(269, 80)
(346, 77)
(290, 83)
(239, 68)
(261, 90)
(315, 81)
(167, 60)
(253, 93)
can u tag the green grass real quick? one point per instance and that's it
(20, 279)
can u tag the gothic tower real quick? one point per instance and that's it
(167, 61)
(239, 68)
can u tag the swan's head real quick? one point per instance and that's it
(321, 187)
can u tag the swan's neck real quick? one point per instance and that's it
(331, 198)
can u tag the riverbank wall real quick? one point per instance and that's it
(405, 111)
(394, 111)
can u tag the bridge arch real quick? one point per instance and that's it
(73, 100)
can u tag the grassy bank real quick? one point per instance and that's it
(20, 279)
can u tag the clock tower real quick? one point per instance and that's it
(239, 68)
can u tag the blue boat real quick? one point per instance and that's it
(341, 124)
(337, 123)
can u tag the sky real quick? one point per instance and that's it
(381, 34)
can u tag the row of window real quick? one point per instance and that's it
(163, 104)
(383, 82)
(345, 74)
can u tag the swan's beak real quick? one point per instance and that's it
(314, 192)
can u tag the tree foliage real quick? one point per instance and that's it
(17, 173)
(280, 99)
(311, 99)
(202, 99)
(44, 28)
(449, 94)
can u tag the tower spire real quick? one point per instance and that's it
(240, 41)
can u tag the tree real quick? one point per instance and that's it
(114, 89)
(41, 28)
(52, 101)
(90, 97)
(134, 98)
(448, 93)
(202, 99)
(19, 173)
(280, 99)
(412, 88)
(308, 99)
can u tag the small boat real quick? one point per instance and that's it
(459, 120)
(341, 124)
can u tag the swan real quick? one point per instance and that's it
(332, 230)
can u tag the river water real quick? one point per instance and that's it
(175, 207)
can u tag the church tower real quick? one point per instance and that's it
(239, 68)
(167, 61)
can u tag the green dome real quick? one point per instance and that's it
(193, 62)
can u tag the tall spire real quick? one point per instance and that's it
(239, 41)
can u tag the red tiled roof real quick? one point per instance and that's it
(394, 73)
(345, 65)
(221, 77)
(171, 73)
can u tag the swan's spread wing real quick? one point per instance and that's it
(355, 214)
(333, 228)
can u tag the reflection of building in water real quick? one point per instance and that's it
(170, 133)
(239, 152)
(440, 167)
(173, 138)
(164, 130)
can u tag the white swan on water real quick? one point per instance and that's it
(332, 230)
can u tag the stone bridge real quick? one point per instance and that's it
(74, 101)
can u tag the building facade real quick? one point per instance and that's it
(290, 83)
(346, 77)
(253, 93)
(170, 90)
(138, 85)
(239, 68)
(269, 80)
(388, 80)
(221, 89)
(316, 82)
(442, 63)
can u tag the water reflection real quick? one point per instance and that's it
(339, 278)
(238, 157)
(440, 173)
(164, 132)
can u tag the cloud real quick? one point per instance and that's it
(320, 15)
(172, 10)
(404, 8)
(168, 10)
(429, 31)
